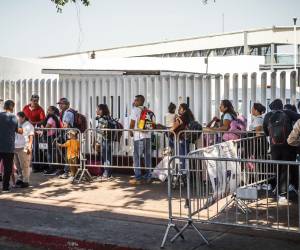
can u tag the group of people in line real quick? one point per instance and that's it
(18, 137)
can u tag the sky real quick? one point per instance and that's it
(33, 28)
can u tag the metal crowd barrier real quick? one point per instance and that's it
(107, 150)
(49, 155)
(235, 192)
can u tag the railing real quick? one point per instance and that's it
(223, 191)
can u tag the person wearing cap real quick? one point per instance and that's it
(73, 150)
(35, 115)
(34, 112)
(66, 115)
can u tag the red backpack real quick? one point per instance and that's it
(147, 119)
(80, 121)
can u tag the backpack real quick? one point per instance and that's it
(279, 127)
(237, 126)
(80, 121)
(192, 137)
(147, 119)
(113, 124)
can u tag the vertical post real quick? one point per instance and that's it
(217, 94)
(263, 88)
(282, 85)
(235, 89)
(293, 87)
(226, 86)
(245, 94)
(253, 86)
(208, 97)
(273, 86)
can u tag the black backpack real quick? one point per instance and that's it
(113, 124)
(279, 127)
(196, 129)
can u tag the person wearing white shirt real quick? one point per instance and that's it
(257, 120)
(170, 116)
(23, 150)
(142, 143)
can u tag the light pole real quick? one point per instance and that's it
(295, 44)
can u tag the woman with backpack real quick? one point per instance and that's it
(182, 121)
(228, 115)
(52, 123)
(105, 140)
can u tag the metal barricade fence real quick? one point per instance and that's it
(109, 149)
(223, 191)
(50, 149)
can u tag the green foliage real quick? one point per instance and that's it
(62, 3)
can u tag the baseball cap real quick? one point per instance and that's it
(63, 101)
(35, 96)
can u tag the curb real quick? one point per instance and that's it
(55, 242)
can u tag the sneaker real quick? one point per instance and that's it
(135, 182)
(267, 187)
(106, 178)
(282, 199)
(18, 183)
(5, 191)
(64, 176)
(49, 173)
(291, 188)
(24, 185)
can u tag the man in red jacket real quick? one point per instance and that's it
(34, 112)
(36, 115)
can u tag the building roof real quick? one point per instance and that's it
(254, 37)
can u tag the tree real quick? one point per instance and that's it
(62, 3)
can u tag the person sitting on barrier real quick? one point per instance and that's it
(184, 118)
(36, 115)
(257, 120)
(105, 141)
(278, 125)
(143, 119)
(73, 154)
(52, 122)
(23, 150)
(228, 114)
(170, 116)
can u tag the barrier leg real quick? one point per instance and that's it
(170, 225)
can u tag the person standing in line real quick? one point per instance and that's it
(23, 150)
(170, 116)
(67, 117)
(52, 123)
(35, 115)
(142, 143)
(278, 124)
(8, 130)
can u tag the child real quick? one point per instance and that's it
(73, 150)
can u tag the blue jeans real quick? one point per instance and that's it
(142, 147)
(183, 151)
(106, 157)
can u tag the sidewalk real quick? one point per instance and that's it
(135, 217)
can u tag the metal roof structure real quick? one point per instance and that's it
(249, 42)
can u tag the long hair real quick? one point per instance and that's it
(54, 116)
(259, 107)
(230, 110)
(104, 108)
(189, 114)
